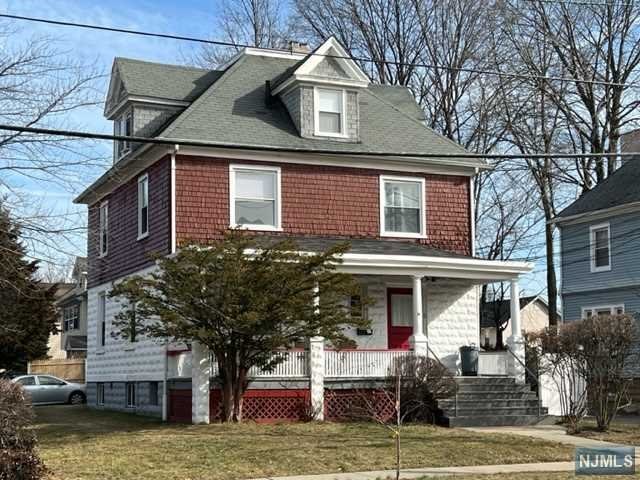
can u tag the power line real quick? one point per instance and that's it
(276, 148)
(378, 61)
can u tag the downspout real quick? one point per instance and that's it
(165, 366)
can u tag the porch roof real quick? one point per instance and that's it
(402, 257)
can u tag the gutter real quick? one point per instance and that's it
(596, 214)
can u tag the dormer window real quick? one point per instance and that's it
(123, 126)
(329, 112)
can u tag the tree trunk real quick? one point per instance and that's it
(552, 287)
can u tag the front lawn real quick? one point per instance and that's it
(627, 434)
(536, 476)
(78, 443)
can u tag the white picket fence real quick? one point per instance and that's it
(361, 363)
(337, 364)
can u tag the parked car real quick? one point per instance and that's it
(46, 389)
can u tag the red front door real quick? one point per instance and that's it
(399, 317)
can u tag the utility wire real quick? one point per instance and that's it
(378, 61)
(276, 148)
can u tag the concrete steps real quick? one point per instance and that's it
(491, 401)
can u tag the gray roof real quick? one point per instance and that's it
(171, 82)
(500, 311)
(362, 245)
(234, 110)
(619, 189)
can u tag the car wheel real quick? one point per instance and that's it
(76, 398)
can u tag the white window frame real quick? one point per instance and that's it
(70, 316)
(232, 197)
(100, 393)
(316, 113)
(122, 147)
(103, 228)
(592, 247)
(593, 309)
(143, 182)
(128, 398)
(423, 222)
(101, 334)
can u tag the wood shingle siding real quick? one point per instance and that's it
(125, 253)
(319, 200)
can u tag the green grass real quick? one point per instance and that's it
(78, 443)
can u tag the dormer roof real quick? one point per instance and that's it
(327, 64)
(155, 82)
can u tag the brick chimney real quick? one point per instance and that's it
(298, 47)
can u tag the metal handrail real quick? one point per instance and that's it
(535, 376)
(455, 398)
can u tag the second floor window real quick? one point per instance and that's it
(143, 206)
(254, 194)
(402, 207)
(104, 228)
(600, 248)
(71, 318)
(329, 112)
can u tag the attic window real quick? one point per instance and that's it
(329, 112)
(123, 126)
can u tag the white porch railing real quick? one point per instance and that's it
(337, 364)
(361, 363)
(493, 363)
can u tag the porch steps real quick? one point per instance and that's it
(491, 401)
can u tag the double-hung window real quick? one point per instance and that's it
(402, 207)
(104, 229)
(71, 317)
(143, 206)
(254, 193)
(600, 244)
(102, 319)
(123, 126)
(329, 112)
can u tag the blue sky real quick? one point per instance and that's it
(194, 18)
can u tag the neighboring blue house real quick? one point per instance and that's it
(600, 249)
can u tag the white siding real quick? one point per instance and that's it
(119, 360)
(452, 318)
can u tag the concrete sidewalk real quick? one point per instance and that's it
(412, 473)
(551, 433)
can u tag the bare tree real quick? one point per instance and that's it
(595, 41)
(259, 23)
(41, 85)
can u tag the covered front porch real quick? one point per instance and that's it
(425, 303)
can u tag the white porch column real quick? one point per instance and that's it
(316, 376)
(316, 366)
(200, 378)
(418, 339)
(515, 341)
